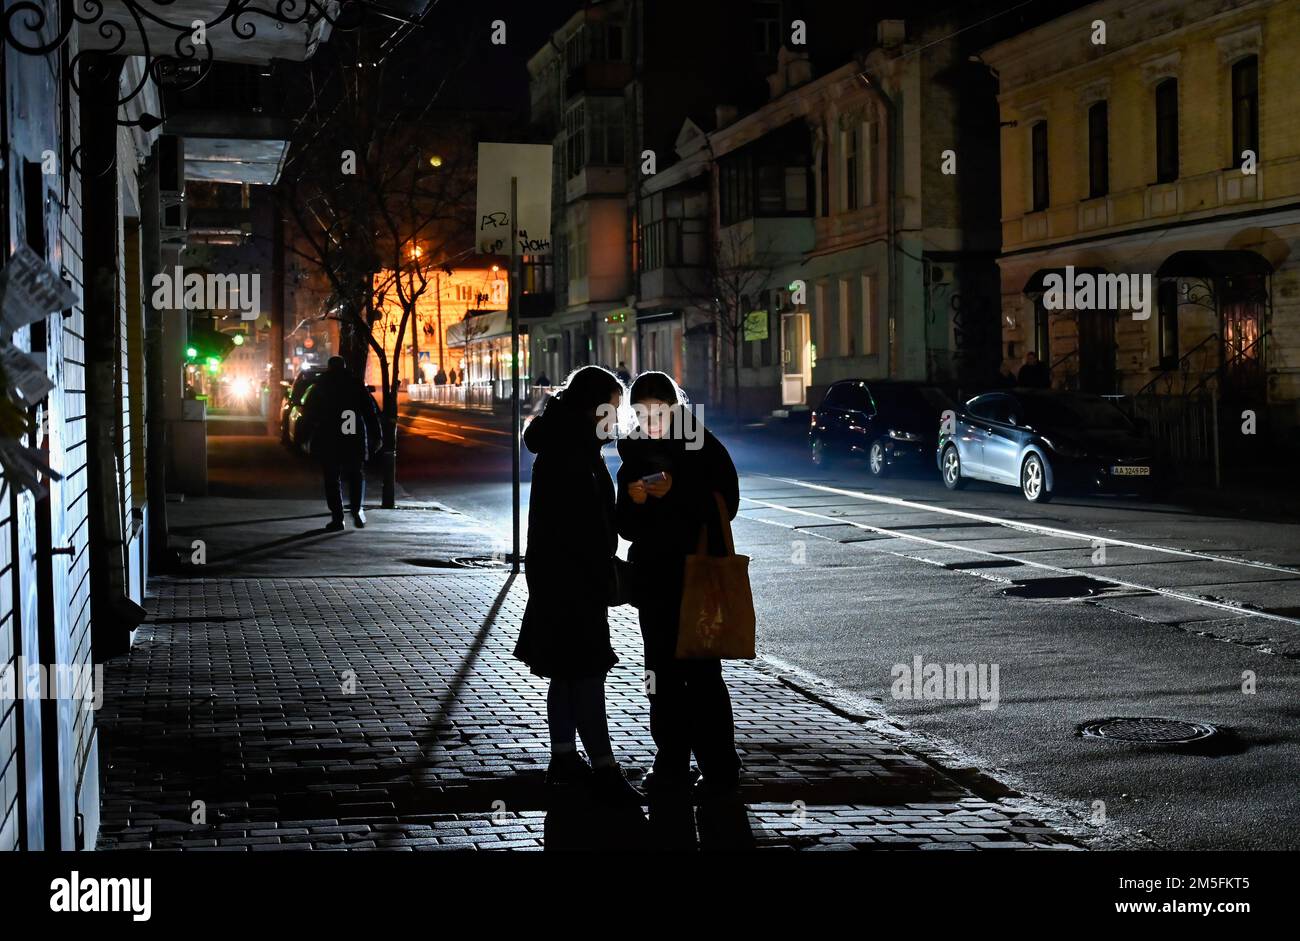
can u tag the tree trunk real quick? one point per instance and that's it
(388, 463)
(388, 455)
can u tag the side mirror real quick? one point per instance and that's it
(370, 388)
(1015, 419)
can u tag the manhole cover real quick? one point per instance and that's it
(432, 563)
(1148, 730)
(482, 561)
(1065, 587)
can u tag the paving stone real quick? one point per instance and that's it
(388, 714)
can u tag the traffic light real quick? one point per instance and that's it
(207, 345)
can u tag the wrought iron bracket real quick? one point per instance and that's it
(24, 26)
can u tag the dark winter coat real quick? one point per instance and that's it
(333, 438)
(664, 530)
(571, 546)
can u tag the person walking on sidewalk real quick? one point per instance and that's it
(345, 432)
(572, 577)
(690, 708)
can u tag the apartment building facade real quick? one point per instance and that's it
(1157, 139)
(868, 197)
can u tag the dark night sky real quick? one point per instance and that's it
(495, 77)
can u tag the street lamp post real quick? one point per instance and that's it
(513, 304)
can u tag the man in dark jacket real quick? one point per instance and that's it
(1034, 374)
(345, 432)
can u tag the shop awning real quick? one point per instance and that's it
(478, 327)
(1035, 283)
(1212, 264)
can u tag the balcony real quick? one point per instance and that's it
(597, 78)
(596, 180)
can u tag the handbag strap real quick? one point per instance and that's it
(702, 546)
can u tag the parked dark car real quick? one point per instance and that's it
(888, 423)
(1044, 441)
(291, 407)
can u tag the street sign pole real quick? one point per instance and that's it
(513, 301)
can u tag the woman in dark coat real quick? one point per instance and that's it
(690, 709)
(569, 567)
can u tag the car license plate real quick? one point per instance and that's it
(1120, 471)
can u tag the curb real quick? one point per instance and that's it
(1070, 818)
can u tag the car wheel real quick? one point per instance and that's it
(876, 458)
(1033, 480)
(821, 456)
(952, 478)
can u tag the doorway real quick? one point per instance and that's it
(1097, 352)
(1241, 324)
(796, 359)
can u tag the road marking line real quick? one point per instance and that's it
(1167, 592)
(450, 424)
(434, 431)
(1040, 529)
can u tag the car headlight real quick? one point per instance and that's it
(904, 435)
(1065, 449)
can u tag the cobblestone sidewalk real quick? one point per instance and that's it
(387, 713)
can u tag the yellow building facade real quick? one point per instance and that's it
(1123, 131)
(430, 338)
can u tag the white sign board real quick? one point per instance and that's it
(31, 290)
(530, 165)
(24, 374)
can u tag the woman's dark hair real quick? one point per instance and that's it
(657, 385)
(589, 387)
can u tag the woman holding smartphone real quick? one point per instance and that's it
(569, 567)
(666, 488)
